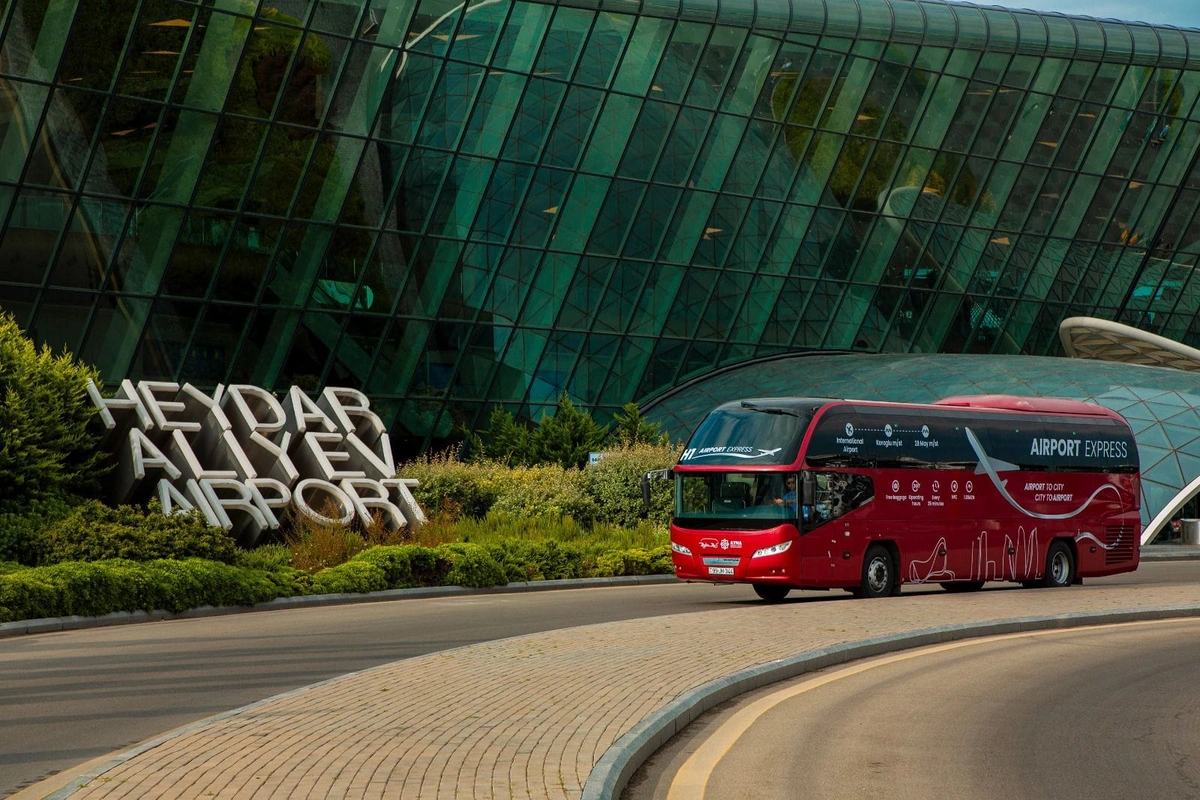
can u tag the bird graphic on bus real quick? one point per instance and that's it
(993, 466)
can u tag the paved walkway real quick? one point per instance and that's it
(532, 716)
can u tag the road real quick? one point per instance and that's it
(1110, 712)
(75, 695)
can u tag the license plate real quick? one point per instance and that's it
(720, 570)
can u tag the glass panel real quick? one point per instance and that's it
(31, 238)
(155, 50)
(125, 136)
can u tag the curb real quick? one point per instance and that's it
(616, 766)
(51, 624)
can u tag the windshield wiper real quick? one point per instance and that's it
(765, 410)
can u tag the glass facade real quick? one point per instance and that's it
(451, 206)
(1162, 405)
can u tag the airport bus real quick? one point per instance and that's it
(805, 493)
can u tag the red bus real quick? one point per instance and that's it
(803, 493)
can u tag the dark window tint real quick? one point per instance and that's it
(752, 432)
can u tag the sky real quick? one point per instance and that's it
(1180, 13)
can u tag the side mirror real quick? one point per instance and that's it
(653, 475)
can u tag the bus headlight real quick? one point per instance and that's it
(773, 550)
(678, 548)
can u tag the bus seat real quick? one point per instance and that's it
(733, 496)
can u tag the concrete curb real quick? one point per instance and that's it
(618, 763)
(51, 624)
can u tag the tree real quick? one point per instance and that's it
(567, 437)
(632, 428)
(46, 448)
(505, 440)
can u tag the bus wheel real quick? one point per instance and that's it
(1060, 565)
(963, 586)
(878, 574)
(771, 592)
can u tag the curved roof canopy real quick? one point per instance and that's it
(1088, 337)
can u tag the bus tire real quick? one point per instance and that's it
(955, 587)
(879, 577)
(771, 592)
(1060, 565)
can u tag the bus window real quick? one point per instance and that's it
(838, 493)
(766, 496)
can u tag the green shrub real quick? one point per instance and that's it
(524, 560)
(93, 532)
(406, 566)
(635, 562)
(195, 582)
(95, 588)
(451, 487)
(267, 557)
(28, 595)
(471, 565)
(20, 532)
(615, 484)
(46, 445)
(546, 491)
(288, 582)
(351, 577)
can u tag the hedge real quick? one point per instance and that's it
(103, 587)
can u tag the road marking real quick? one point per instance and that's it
(691, 781)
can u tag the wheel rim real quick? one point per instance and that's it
(877, 574)
(1058, 568)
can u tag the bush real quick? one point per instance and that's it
(351, 577)
(406, 566)
(615, 484)
(27, 595)
(94, 532)
(93, 589)
(471, 565)
(453, 488)
(196, 582)
(21, 532)
(546, 491)
(46, 447)
(636, 562)
(536, 561)
(267, 557)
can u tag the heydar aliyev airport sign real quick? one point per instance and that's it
(241, 455)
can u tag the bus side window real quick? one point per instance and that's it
(839, 493)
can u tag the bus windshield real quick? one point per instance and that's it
(734, 496)
(750, 432)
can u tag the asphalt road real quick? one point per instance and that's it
(1091, 713)
(71, 696)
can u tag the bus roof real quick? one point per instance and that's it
(1035, 405)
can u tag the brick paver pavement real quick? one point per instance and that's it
(528, 717)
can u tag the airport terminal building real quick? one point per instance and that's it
(452, 206)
